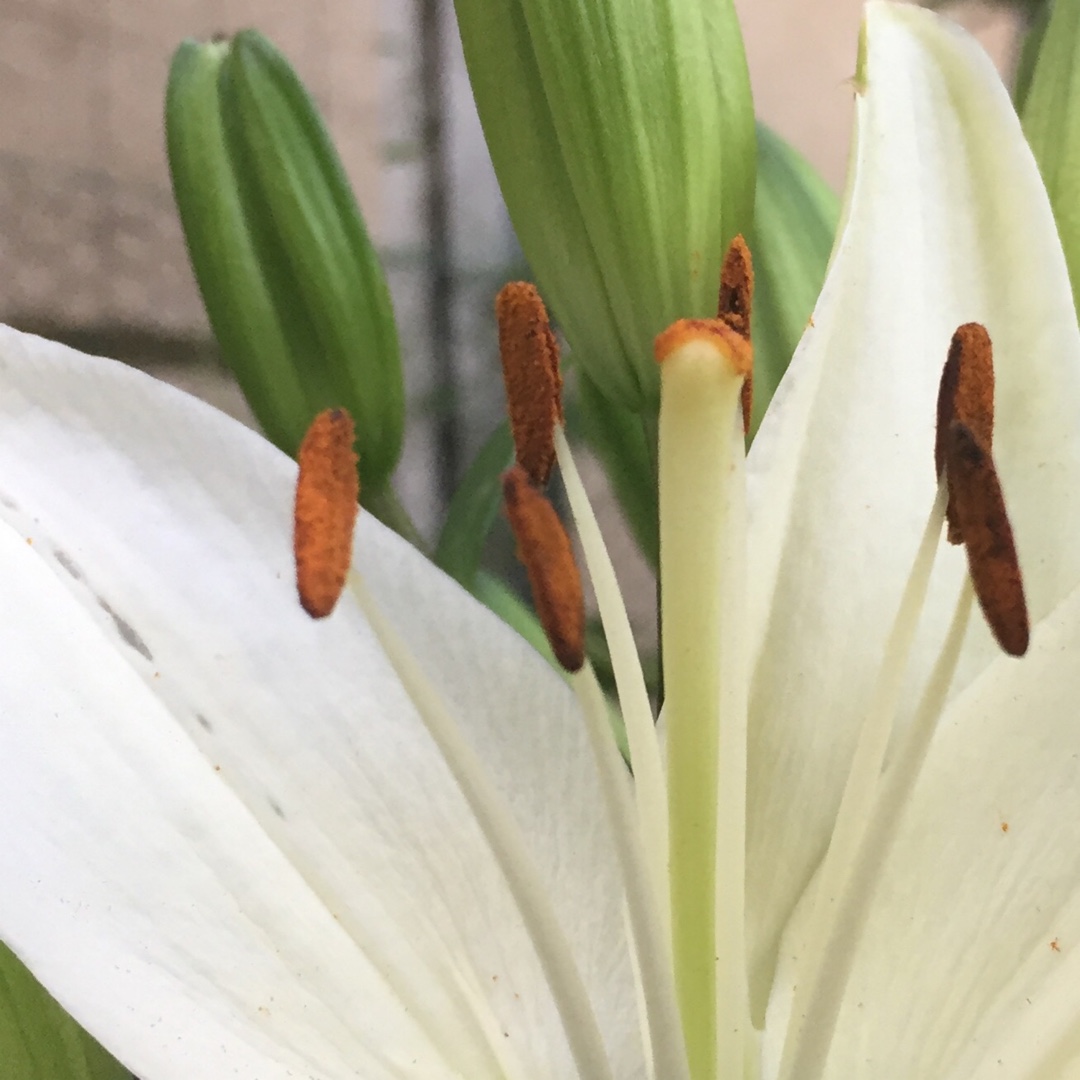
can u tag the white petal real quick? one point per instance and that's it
(170, 525)
(970, 962)
(946, 222)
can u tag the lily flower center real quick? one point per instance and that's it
(679, 825)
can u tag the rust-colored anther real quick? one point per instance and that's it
(966, 395)
(983, 524)
(737, 288)
(544, 549)
(736, 306)
(530, 363)
(327, 492)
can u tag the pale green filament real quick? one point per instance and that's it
(506, 842)
(647, 931)
(814, 1035)
(702, 534)
(649, 787)
(863, 778)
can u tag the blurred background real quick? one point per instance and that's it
(91, 250)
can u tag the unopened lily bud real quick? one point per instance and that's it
(291, 284)
(623, 139)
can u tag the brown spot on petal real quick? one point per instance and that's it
(327, 491)
(983, 524)
(965, 394)
(530, 363)
(544, 549)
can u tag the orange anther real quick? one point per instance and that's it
(327, 491)
(736, 306)
(530, 362)
(544, 549)
(983, 524)
(965, 394)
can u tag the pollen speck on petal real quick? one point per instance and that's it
(544, 550)
(530, 363)
(983, 523)
(327, 492)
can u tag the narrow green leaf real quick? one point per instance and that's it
(1051, 119)
(474, 508)
(38, 1040)
(1029, 53)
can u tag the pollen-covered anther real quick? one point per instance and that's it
(735, 308)
(544, 550)
(983, 524)
(737, 288)
(327, 492)
(530, 363)
(965, 395)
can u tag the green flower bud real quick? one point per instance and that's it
(1050, 112)
(622, 133)
(292, 286)
(39, 1039)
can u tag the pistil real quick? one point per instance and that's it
(704, 365)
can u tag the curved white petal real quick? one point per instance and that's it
(233, 830)
(970, 962)
(946, 222)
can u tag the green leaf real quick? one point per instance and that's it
(795, 219)
(474, 508)
(290, 281)
(514, 612)
(622, 135)
(1051, 119)
(38, 1040)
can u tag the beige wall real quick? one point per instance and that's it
(88, 232)
(802, 55)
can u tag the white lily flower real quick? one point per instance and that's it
(239, 843)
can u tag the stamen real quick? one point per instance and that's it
(983, 523)
(863, 781)
(544, 550)
(702, 555)
(853, 906)
(966, 393)
(735, 307)
(737, 287)
(506, 841)
(327, 491)
(530, 363)
(647, 929)
(649, 787)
